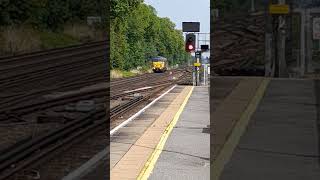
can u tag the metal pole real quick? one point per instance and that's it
(302, 61)
(198, 73)
(276, 46)
(194, 73)
(204, 74)
(309, 45)
(268, 43)
(282, 44)
(252, 6)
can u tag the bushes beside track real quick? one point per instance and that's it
(31, 25)
(116, 73)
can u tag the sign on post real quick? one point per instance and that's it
(198, 57)
(197, 64)
(316, 28)
(279, 9)
(198, 54)
(191, 26)
(204, 48)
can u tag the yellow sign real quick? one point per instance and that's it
(279, 9)
(197, 64)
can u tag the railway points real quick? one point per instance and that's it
(267, 128)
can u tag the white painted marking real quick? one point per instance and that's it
(88, 166)
(139, 89)
(139, 112)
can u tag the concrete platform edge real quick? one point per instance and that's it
(240, 127)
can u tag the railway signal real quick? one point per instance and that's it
(190, 42)
(204, 48)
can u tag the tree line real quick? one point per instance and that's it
(137, 34)
(48, 14)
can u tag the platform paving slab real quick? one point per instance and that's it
(133, 161)
(121, 141)
(186, 154)
(226, 115)
(282, 140)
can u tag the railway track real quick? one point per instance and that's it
(57, 68)
(28, 153)
(45, 122)
(25, 155)
(21, 104)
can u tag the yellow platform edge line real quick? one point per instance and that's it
(234, 138)
(148, 167)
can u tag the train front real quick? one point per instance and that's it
(158, 64)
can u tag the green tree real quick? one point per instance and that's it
(137, 34)
(121, 8)
(14, 11)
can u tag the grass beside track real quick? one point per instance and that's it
(25, 39)
(125, 74)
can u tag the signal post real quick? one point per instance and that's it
(190, 46)
(197, 66)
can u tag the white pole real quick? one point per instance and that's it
(204, 74)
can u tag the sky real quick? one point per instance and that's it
(184, 11)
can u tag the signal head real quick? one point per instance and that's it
(190, 42)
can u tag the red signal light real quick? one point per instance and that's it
(190, 47)
(190, 42)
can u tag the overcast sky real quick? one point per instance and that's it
(184, 11)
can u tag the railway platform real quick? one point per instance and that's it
(160, 142)
(267, 129)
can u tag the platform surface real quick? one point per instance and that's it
(282, 138)
(186, 154)
(134, 144)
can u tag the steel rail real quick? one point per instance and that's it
(25, 154)
(39, 54)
